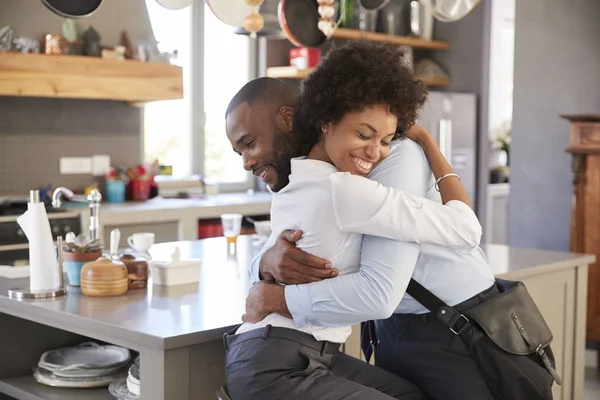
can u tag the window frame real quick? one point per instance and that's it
(198, 112)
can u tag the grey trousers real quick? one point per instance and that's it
(278, 363)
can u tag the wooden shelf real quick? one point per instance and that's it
(78, 77)
(26, 388)
(288, 72)
(293, 73)
(343, 33)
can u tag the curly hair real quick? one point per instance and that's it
(353, 77)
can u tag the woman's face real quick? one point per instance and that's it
(361, 139)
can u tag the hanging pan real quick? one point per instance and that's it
(72, 8)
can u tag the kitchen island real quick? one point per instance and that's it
(178, 330)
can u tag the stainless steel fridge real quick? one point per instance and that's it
(452, 119)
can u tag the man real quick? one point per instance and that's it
(276, 361)
(417, 347)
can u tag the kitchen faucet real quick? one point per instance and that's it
(93, 199)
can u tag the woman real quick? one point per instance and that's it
(331, 201)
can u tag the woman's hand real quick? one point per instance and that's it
(418, 134)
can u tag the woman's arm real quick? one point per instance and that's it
(450, 187)
(364, 206)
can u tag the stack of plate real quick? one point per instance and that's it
(85, 366)
(128, 388)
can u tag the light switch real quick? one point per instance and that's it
(75, 165)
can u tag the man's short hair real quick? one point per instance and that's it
(265, 92)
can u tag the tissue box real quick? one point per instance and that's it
(177, 272)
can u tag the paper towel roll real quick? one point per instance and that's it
(44, 274)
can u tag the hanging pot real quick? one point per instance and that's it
(71, 8)
(453, 10)
(174, 4)
(299, 21)
(233, 12)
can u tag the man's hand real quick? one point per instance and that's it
(263, 299)
(285, 263)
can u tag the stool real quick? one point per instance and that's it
(222, 393)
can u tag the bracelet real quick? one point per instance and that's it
(442, 178)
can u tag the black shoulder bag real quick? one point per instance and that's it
(508, 337)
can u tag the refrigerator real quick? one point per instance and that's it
(452, 120)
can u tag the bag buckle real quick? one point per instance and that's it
(463, 327)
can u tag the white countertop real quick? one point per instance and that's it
(184, 212)
(174, 316)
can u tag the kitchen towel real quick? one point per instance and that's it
(44, 274)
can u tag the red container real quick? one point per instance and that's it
(305, 57)
(140, 189)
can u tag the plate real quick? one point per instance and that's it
(89, 356)
(119, 390)
(230, 12)
(49, 379)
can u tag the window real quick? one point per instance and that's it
(227, 67)
(227, 62)
(167, 124)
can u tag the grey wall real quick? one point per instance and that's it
(35, 133)
(557, 70)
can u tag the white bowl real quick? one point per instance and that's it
(177, 272)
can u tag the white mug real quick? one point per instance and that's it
(141, 241)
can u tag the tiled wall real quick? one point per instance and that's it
(35, 133)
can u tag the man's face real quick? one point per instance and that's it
(264, 139)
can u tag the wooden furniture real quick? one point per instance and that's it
(78, 77)
(294, 73)
(414, 42)
(288, 72)
(584, 146)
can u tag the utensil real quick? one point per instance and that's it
(299, 21)
(141, 242)
(232, 226)
(104, 277)
(49, 379)
(115, 238)
(393, 19)
(61, 276)
(85, 356)
(233, 13)
(72, 9)
(453, 10)
(372, 5)
(174, 4)
(120, 391)
(137, 271)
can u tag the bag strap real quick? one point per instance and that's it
(454, 320)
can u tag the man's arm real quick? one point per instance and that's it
(386, 266)
(281, 261)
